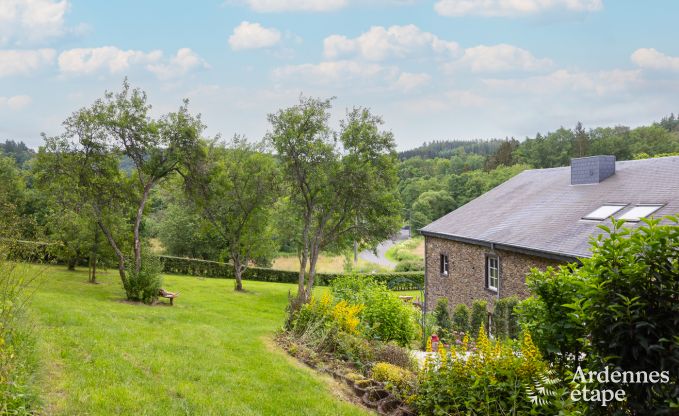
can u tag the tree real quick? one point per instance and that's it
(429, 206)
(235, 187)
(342, 185)
(581, 142)
(96, 140)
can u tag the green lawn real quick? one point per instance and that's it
(210, 354)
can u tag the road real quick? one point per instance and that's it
(380, 258)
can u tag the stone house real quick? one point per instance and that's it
(539, 218)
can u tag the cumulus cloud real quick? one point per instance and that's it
(380, 43)
(16, 102)
(30, 21)
(332, 71)
(498, 58)
(268, 6)
(252, 36)
(650, 58)
(512, 7)
(85, 61)
(184, 61)
(408, 81)
(21, 62)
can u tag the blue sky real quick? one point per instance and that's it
(442, 69)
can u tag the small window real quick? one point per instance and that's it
(639, 212)
(492, 273)
(444, 264)
(603, 212)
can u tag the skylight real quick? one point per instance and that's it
(640, 211)
(604, 212)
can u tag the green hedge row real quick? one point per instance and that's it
(213, 269)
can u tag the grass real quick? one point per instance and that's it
(210, 354)
(326, 264)
(411, 249)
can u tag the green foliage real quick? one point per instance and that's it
(479, 315)
(442, 316)
(410, 266)
(403, 251)
(630, 301)
(17, 345)
(491, 379)
(429, 206)
(505, 320)
(144, 285)
(555, 329)
(385, 317)
(397, 379)
(396, 355)
(461, 318)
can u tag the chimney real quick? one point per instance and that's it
(591, 170)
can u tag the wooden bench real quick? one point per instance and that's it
(168, 295)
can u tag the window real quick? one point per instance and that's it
(444, 264)
(492, 273)
(604, 211)
(640, 211)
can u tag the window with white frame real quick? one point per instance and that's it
(444, 264)
(640, 211)
(492, 273)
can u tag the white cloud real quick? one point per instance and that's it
(512, 7)
(599, 83)
(16, 102)
(181, 64)
(380, 43)
(650, 58)
(30, 21)
(85, 61)
(105, 58)
(408, 81)
(333, 71)
(252, 36)
(19, 62)
(267, 6)
(499, 58)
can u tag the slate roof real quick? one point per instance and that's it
(539, 211)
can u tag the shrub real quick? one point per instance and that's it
(396, 355)
(631, 307)
(461, 318)
(409, 266)
(442, 317)
(479, 315)
(505, 323)
(355, 349)
(399, 380)
(491, 380)
(145, 285)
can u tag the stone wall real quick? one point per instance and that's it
(466, 279)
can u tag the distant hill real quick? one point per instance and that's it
(447, 148)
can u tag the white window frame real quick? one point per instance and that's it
(615, 208)
(489, 273)
(444, 267)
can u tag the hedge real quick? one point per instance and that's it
(213, 269)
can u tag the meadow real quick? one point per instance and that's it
(211, 354)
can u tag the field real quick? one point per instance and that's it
(210, 354)
(326, 264)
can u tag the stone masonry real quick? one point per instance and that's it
(466, 280)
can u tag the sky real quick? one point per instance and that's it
(434, 70)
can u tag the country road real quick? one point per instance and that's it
(381, 250)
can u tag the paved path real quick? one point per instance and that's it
(382, 248)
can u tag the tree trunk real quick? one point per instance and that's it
(137, 225)
(315, 251)
(301, 292)
(238, 272)
(119, 254)
(355, 253)
(93, 257)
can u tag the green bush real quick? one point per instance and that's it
(397, 379)
(409, 266)
(442, 317)
(461, 318)
(145, 285)
(505, 320)
(479, 315)
(385, 317)
(213, 269)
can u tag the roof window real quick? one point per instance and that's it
(603, 212)
(640, 211)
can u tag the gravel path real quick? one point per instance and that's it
(382, 248)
